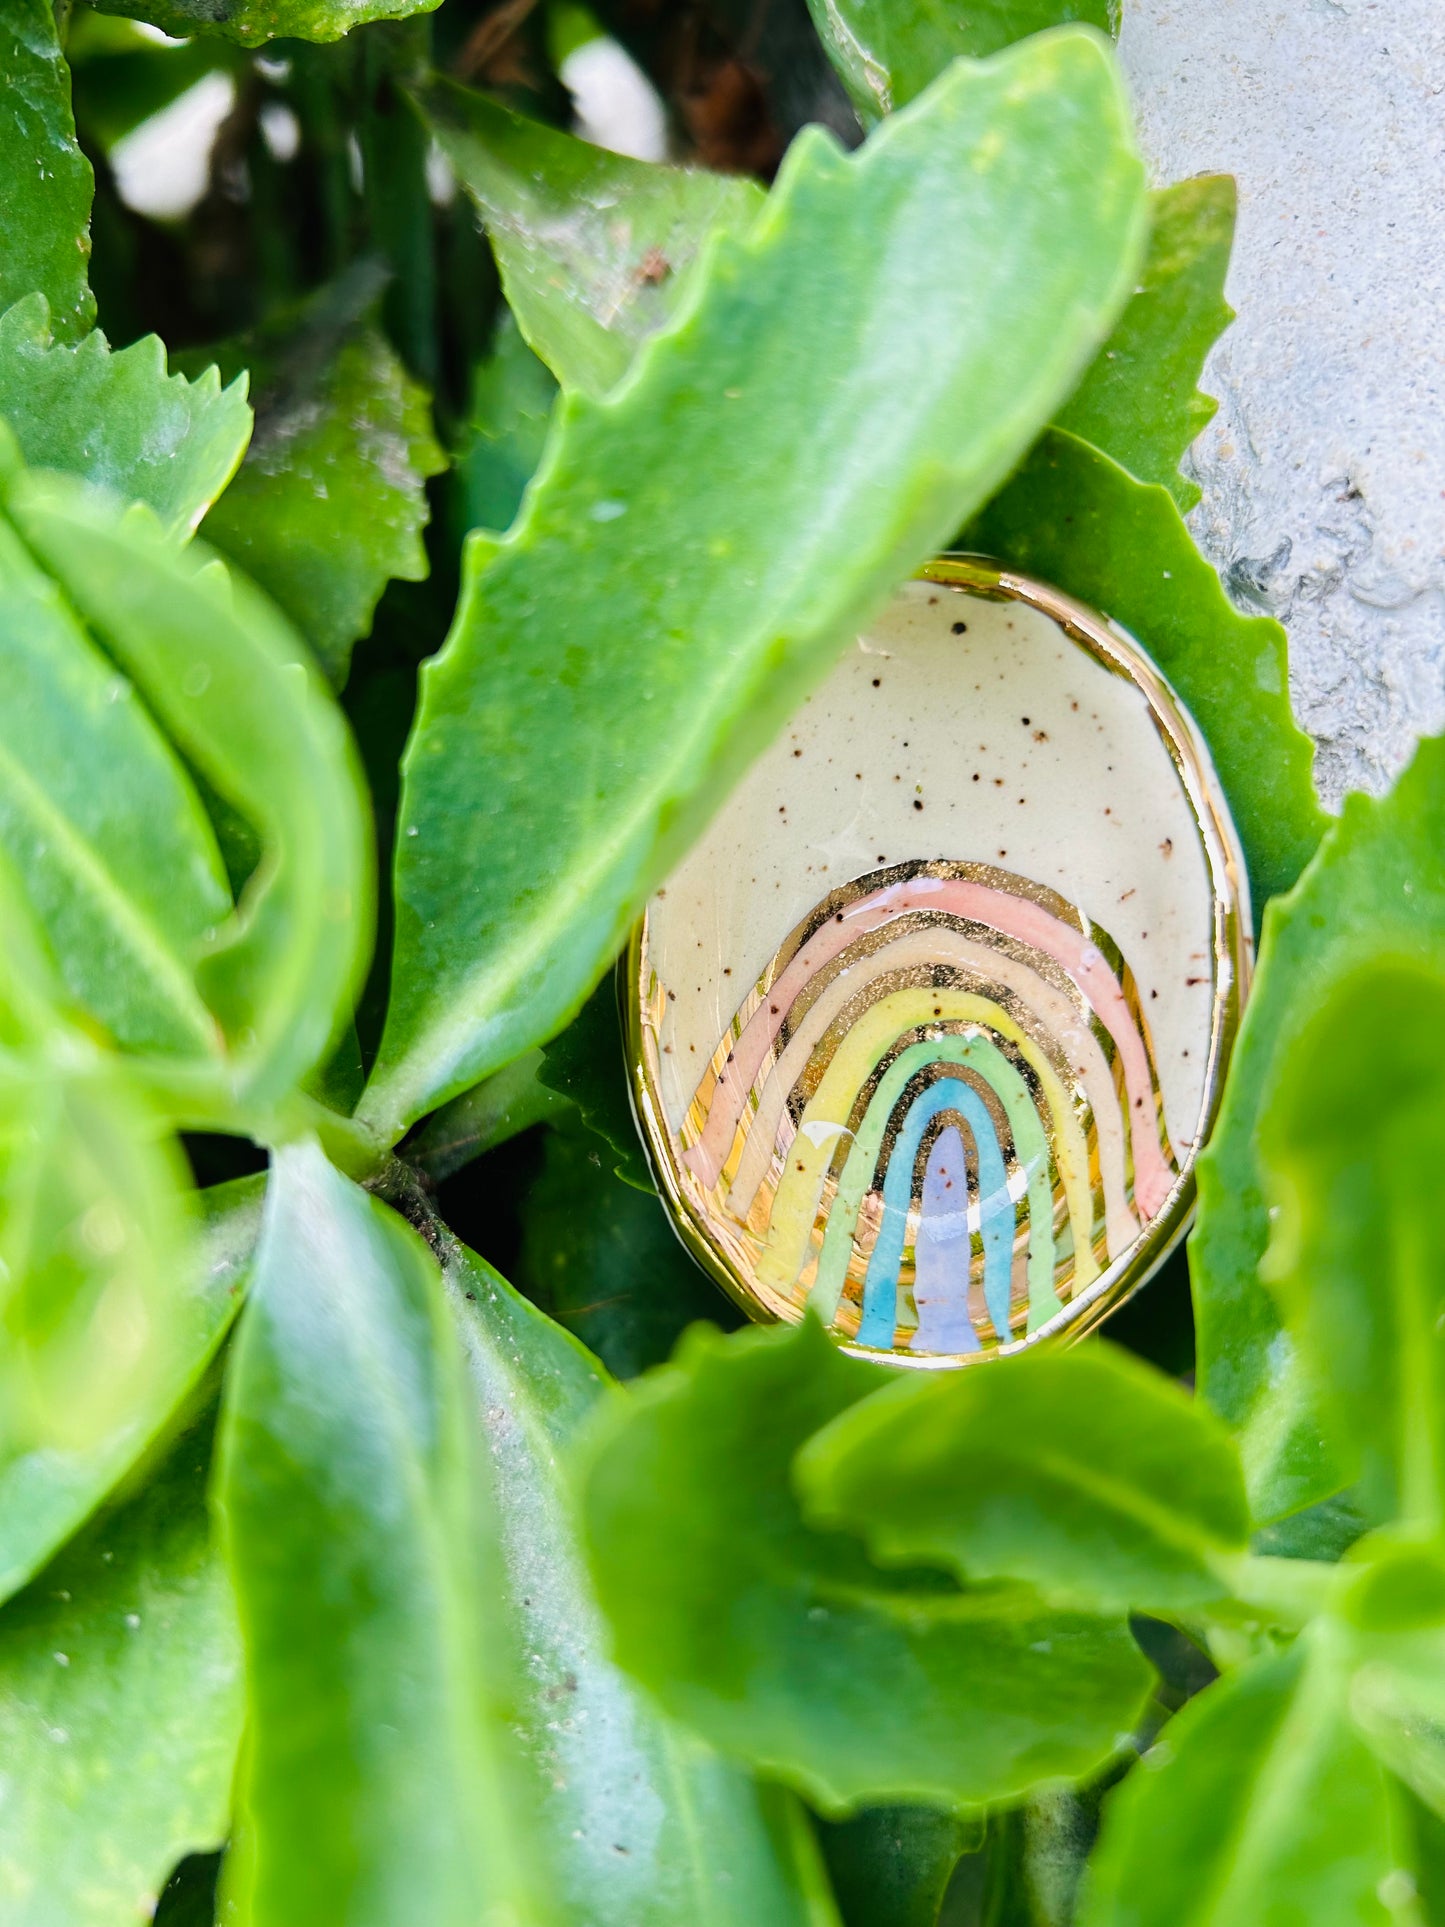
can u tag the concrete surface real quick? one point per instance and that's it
(1324, 470)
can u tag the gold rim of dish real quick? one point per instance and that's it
(1232, 960)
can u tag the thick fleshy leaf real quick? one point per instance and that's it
(886, 55)
(1389, 1628)
(586, 1063)
(640, 1824)
(1078, 520)
(47, 1491)
(103, 825)
(782, 1644)
(1258, 1803)
(89, 1230)
(1376, 888)
(92, 1251)
(239, 693)
(120, 1709)
(1086, 1473)
(362, 1540)
(45, 205)
(33, 1006)
(1324, 1531)
(91, 1247)
(891, 1866)
(253, 21)
(602, 1257)
(1140, 402)
(609, 671)
(330, 502)
(119, 419)
(1352, 1141)
(595, 250)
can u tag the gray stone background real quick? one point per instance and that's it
(1324, 470)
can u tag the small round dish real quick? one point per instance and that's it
(927, 1031)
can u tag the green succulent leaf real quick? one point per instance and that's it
(90, 1231)
(596, 250)
(90, 1246)
(1077, 519)
(1376, 888)
(585, 1062)
(640, 1823)
(104, 827)
(330, 503)
(1390, 1629)
(891, 1866)
(110, 1304)
(252, 22)
(48, 1489)
(241, 697)
(1087, 1474)
(1324, 1531)
(782, 1644)
(887, 55)
(1259, 1803)
(362, 1541)
(602, 1257)
(120, 1709)
(1352, 1140)
(45, 205)
(1139, 402)
(119, 419)
(611, 669)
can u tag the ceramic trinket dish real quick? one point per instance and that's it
(928, 1029)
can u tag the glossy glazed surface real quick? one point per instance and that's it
(929, 1025)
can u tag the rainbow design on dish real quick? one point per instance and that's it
(936, 1118)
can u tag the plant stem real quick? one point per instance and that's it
(484, 1117)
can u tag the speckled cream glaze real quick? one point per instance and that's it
(967, 743)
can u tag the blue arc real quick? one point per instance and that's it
(996, 1212)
